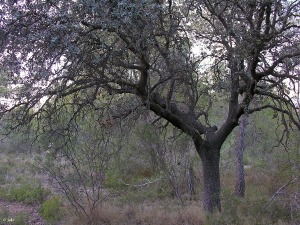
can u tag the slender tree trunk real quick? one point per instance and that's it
(240, 175)
(191, 181)
(210, 157)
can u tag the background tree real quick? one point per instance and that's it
(239, 151)
(80, 50)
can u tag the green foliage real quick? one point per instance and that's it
(28, 193)
(51, 210)
(113, 180)
(4, 215)
(3, 193)
(20, 219)
(3, 173)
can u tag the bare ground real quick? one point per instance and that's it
(16, 208)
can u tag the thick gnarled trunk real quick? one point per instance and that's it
(211, 179)
(210, 158)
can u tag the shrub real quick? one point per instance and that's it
(51, 209)
(4, 214)
(21, 219)
(28, 193)
(3, 172)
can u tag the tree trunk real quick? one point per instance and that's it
(240, 176)
(191, 181)
(210, 158)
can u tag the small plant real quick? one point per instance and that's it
(3, 193)
(3, 173)
(51, 210)
(28, 193)
(4, 215)
(20, 219)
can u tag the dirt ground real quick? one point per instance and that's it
(15, 208)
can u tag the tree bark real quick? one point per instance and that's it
(210, 158)
(240, 175)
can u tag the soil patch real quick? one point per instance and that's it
(16, 208)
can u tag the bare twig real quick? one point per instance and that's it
(143, 184)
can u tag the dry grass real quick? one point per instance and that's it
(258, 206)
(155, 213)
(253, 209)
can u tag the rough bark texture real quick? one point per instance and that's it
(240, 175)
(211, 178)
(210, 157)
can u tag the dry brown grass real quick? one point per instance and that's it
(144, 214)
(253, 209)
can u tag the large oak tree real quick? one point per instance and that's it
(172, 56)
